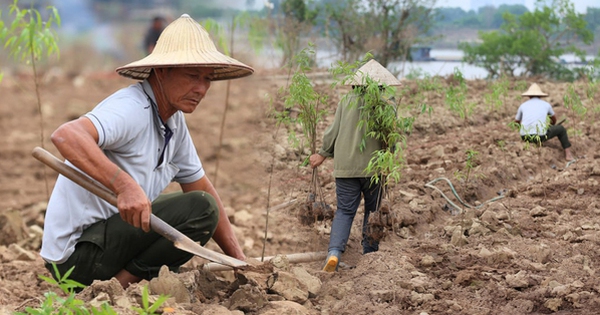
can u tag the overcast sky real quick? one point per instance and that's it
(580, 5)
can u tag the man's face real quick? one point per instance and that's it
(185, 87)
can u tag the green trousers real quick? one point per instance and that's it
(553, 131)
(108, 246)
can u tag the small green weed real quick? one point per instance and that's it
(58, 304)
(470, 165)
(456, 95)
(67, 303)
(574, 104)
(496, 98)
(147, 308)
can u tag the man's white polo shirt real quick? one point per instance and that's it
(131, 134)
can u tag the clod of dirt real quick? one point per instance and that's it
(247, 298)
(288, 286)
(313, 284)
(111, 287)
(12, 227)
(518, 281)
(167, 283)
(275, 282)
(256, 279)
(207, 286)
(15, 252)
(281, 262)
(107, 291)
(404, 217)
(255, 265)
(285, 307)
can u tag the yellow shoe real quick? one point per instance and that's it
(332, 263)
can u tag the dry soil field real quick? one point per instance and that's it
(534, 251)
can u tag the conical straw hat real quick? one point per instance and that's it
(534, 90)
(185, 43)
(376, 72)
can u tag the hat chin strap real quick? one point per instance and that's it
(162, 91)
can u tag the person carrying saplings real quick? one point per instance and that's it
(351, 151)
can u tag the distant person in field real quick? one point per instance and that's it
(153, 33)
(537, 121)
(342, 142)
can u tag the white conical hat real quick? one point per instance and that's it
(534, 90)
(185, 43)
(376, 72)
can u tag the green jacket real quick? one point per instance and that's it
(342, 140)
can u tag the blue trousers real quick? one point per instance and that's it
(349, 191)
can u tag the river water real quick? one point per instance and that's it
(444, 65)
(442, 68)
(446, 61)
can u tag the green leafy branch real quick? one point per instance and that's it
(387, 166)
(303, 98)
(380, 119)
(29, 37)
(379, 114)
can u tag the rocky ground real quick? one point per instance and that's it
(525, 241)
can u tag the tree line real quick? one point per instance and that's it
(524, 43)
(511, 38)
(491, 17)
